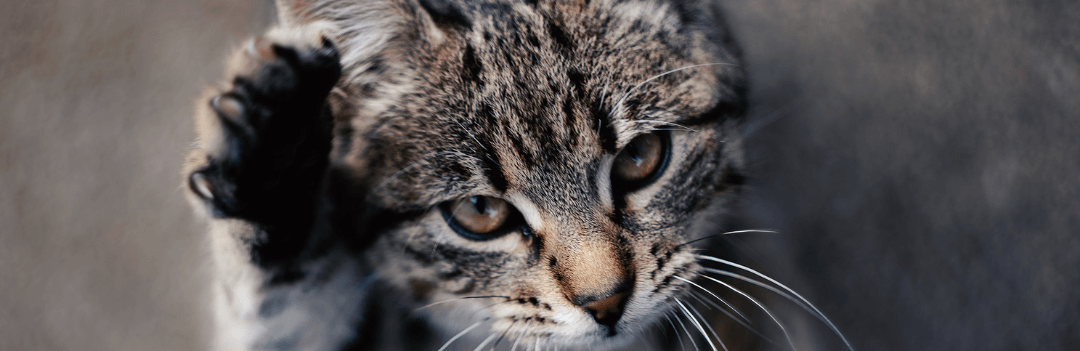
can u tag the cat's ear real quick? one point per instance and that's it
(436, 18)
(444, 14)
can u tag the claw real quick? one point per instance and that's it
(201, 185)
(261, 48)
(228, 106)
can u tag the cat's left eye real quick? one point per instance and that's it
(479, 217)
(640, 161)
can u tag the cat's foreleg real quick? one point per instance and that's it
(264, 139)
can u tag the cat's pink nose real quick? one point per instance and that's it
(608, 310)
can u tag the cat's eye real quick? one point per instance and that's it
(640, 161)
(479, 217)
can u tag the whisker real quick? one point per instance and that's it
(729, 233)
(694, 321)
(537, 348)
(763, 285)
(666, 123)
(481, 309)
(714, 296)
(623, 99)
(762, 307)
(688, 336)
(458, 299)
(668, 130)
(676, 330)
(711, 330)
(497, 341)
(789, 290)
(523, 330)
(663, 332)
(485, 342)
(748, 327)
(783, 294)
(463, 332)
(472, 136)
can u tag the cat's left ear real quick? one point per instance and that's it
(436, 18)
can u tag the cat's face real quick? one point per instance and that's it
(547, 164)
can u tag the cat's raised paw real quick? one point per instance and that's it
(267, 137)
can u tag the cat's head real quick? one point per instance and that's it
(544, 161)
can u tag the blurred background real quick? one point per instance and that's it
(921, 157)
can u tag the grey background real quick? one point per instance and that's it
(921, 158)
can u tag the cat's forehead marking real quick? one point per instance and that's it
(530, 94)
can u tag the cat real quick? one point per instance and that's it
(416, 174)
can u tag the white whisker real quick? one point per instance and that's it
(456, 299)
(771, 280)
(676, 330)
(729, 233)
(711, 330)
(486, 341)
(618, 104)
(747, 326)
(714, 296)
(695, 322)
(701, 298)
(463, 332)
(762, 307)
(688, 335)
(497, 341)
(523, 330)
(765, 286)
(472, 136)
(666, 123)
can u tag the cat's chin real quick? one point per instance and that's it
(599, 341)
(467, 333)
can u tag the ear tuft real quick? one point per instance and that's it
(298, 12)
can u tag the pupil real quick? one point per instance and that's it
(635, 156)
(478, 203)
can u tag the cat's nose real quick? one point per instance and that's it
(607, 310)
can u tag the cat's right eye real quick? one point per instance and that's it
(479, 217)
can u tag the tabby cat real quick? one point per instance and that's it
(425, 175)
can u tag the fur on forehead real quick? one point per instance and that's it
(555, 84)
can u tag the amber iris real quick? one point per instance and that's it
(639, 159)
(480, 214)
